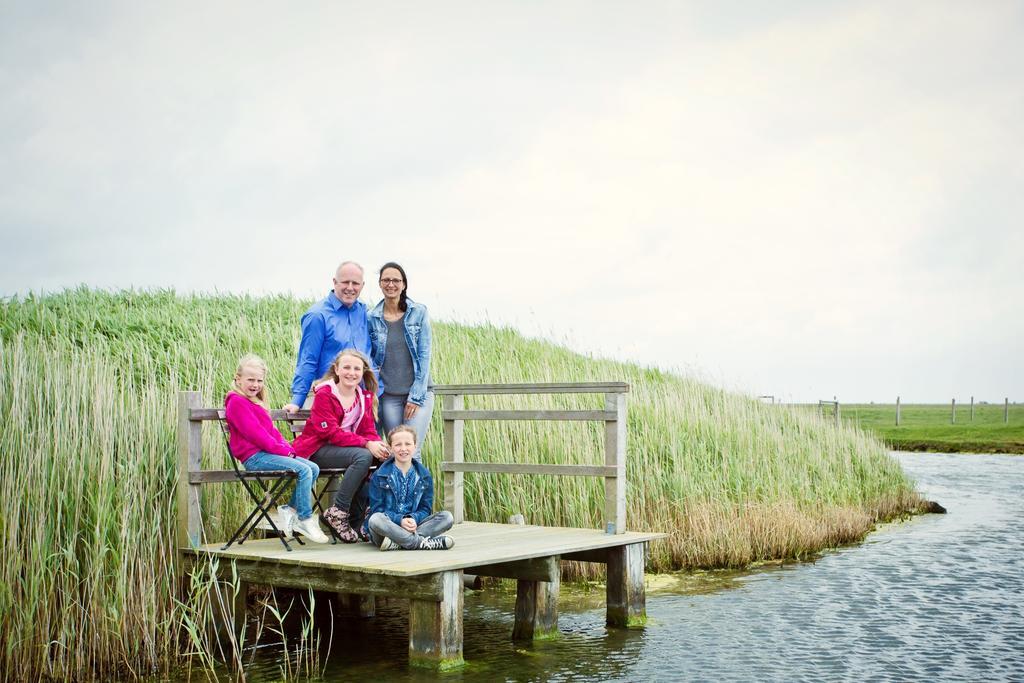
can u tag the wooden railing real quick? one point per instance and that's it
(454, 465)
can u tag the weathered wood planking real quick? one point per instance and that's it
(454, 494)
(454, 417)
(513, 415)
(477, 544)
(197, 414)
(541, 388)
(190, 459)
(615, 456)
(523, 468)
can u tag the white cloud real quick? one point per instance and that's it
(816, 202)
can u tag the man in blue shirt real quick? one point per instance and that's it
(328, 328)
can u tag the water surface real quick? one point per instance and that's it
(940, 597)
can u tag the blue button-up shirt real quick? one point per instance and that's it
(328, 328)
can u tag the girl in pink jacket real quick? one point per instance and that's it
(340, 432)
(258, 445)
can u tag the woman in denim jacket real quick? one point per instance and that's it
(400, 341)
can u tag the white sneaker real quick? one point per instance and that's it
(288, 517)
(282, 520)
(388, 544)
(310, 528)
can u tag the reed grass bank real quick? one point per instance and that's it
(87, 387)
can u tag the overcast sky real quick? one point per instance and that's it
(808, 199)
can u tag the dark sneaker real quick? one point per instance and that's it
(437, 543)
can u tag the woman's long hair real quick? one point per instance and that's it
(369, 379)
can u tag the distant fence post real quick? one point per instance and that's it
(897, 411)
(972, 409)
(1006, 410)
(835, 407)
(953, 411)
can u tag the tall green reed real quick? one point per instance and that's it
(88, 381)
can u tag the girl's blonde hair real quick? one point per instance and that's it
(369, 379)
(402, 428)
(251, 359)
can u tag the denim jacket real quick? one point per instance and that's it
(417, 337)
(387, 479)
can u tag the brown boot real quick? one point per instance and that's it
(338, 521)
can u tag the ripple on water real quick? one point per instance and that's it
(940, 597)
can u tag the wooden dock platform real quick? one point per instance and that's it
(479, 546)
(432, 581)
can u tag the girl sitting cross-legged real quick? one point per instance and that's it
(401, 498)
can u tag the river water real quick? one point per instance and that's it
(939, 597)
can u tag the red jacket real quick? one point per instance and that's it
(324, 424)
(251, 429)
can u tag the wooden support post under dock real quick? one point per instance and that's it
(435, 627)
(537, 602)
(536, 610)
(627, 599)
(364, 606)
(240, 608)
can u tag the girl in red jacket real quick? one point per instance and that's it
(255, 441)
(340, 432)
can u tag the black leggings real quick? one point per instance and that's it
(355, 459)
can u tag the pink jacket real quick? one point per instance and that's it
(324, 423)
(252, 429)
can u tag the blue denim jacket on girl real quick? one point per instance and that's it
(417, 337)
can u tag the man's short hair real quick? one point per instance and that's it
(346, 263)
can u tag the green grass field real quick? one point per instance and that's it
(929, 427)
(89, 583)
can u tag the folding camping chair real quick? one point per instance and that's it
(264, 488)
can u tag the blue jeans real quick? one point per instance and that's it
(380, 526)
(302, 498)
(392, 414)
